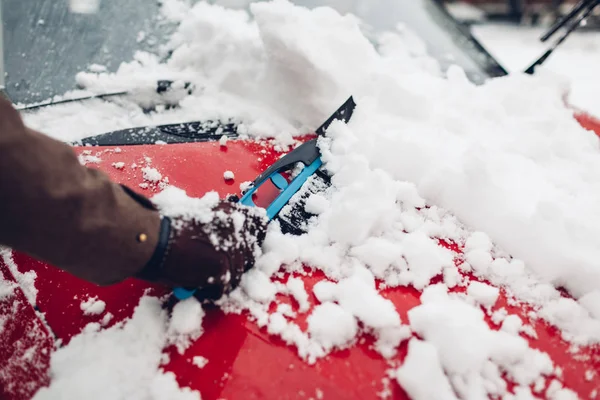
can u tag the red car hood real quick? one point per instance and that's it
(252, 364)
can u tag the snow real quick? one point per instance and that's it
(205, 213)
(245, 186)
(199, 361)
(228, 175)
(151, 174)
(84, 6)
(97, 68)
(185, 325)
(589, 375)
(575, 322)
(85, 159)
(512, 324)
(297, 290)
(473, 355)
(502, 169)
(175, 202)
(465, 12)
(316, 204)
(483, 293)
(7, 289)
(121, 362)
(106, 319)
(555, 391)
(332, 326)
(258, 286)
(591, 302)
(26, 280)
(576, 59)
(93, 306)
(421, 374)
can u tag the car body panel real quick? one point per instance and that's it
(244, 360)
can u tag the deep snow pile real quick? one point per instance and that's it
(506, 158)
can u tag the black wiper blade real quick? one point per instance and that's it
(184, 132)
(580, 12)
(162, 86)
(46, 103)
(564, 20)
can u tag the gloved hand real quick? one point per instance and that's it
(76, 218)
(208, 257)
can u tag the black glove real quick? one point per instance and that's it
(209, 257)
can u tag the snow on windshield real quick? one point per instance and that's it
(427, 155)
(578, 58)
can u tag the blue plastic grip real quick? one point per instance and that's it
(182, 293)
(289, 189)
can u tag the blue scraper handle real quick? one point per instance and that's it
(288, 190)
(307, 154)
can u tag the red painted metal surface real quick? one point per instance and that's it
(244, 360)
(25, 344)
(588, 122)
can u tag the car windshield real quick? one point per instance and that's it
(45, 44)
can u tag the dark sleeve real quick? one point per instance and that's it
(55, 209)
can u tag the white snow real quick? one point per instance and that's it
(84, 6)
(228, 175)
(576, 59)
(151, 174)
(332, 326)
(88, 159)
(556, 391)
(26, 280)
(297, 290)
(473, 355)
(258, 286)
(421, 374)
(203, 212)
(244, 186)
(483, 293)
(174, 202)
(119, 165)
(185, 325)
(106, 319)
(465, 12)
(501, 168)
(97, 68)
(591, 302)
(121, 362)
(7, 289)
(199, 361)
(316, 204)
(93, 306)
(512, 324)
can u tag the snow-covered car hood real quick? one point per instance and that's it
(502, 169)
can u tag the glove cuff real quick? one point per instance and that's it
(153, 270)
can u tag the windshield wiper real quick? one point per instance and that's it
(51, 102)
(571, 21)
(162, 86)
